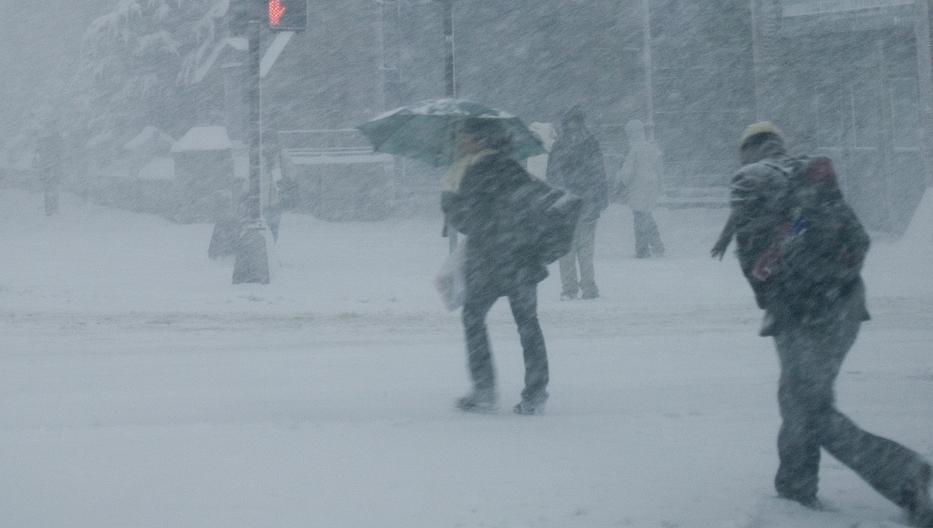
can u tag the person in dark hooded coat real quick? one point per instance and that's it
(576, 165)
(801, 248)
(501, 260)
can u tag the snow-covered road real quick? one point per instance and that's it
(138, 388)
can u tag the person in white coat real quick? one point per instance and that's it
(537, 165)
(639, 183)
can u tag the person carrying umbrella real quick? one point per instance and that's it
(500, 258)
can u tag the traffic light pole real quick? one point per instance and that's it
(252, 251)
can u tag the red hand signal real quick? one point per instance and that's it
(276, 12)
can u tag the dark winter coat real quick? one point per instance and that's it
(576, 165)
(801, 247)
(500, 252)
(759, 200)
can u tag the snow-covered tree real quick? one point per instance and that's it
(130, 74)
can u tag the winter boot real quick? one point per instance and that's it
(808, 501)
(479, 401)
(590, 294)
(531, 406)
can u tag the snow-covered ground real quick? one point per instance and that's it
(139, 388)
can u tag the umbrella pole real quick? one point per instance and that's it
(449, 72)
(450, 90)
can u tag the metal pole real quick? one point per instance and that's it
(925, 78)
(649, 66)
(449, 72)
(450, 89)
(255, 122)
(886, 145)
(252, 259)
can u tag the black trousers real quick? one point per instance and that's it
(524, 303)
(811, 357)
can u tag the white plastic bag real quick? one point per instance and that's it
(451, 279)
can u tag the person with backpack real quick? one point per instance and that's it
(576, 165)
(501, 259)
(801, 248)
(639, 184)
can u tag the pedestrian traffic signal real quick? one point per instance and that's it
(287, 15)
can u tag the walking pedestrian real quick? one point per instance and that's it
(500, 260)
(639, 183)
(49, 157)
(801, 247)
(576, 165)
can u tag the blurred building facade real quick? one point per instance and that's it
(846, 78)
(851, 79)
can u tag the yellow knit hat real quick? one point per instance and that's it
(761, 127)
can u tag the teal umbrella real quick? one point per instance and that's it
(425, 131)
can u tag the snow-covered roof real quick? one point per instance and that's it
(203, 138)
(794, 8)
(326, 159)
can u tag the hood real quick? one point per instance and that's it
(760, 141)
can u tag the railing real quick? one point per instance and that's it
(324, 139)
(794, 8)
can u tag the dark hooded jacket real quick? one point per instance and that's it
(500, 253)
(576, 165)
(814, 240)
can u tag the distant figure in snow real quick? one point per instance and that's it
(801, 248)
(640, 187)
(576, 165)
(501, 260)
(49, 158)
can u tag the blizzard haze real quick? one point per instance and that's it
(141, 387)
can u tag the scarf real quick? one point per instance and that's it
(451, 181)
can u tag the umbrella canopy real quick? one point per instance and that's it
(425, 131)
